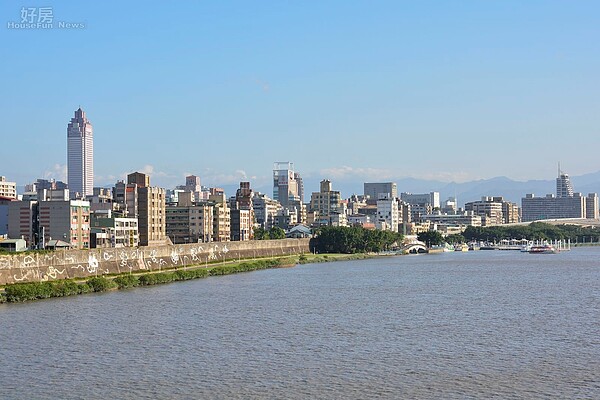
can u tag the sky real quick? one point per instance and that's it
(349, 91)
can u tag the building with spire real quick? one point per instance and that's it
(564, 188)
(80, 156)
(565, 204)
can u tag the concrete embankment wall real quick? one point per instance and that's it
(95, 262)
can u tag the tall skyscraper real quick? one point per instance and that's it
(80, 155)
(564, 188)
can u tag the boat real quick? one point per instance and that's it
(461, 247)
(543, 249)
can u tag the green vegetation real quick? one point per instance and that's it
(455, 238)
(273, 233)
(354, 239)
(42, 290)
(431, 238)
(101, 284)
(127, 281)
(533, 231)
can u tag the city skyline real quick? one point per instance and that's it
(359, 92)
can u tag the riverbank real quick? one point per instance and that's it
(21, 292)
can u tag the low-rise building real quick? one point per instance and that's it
(591, 206)
(188, 221)
(494, 210)
(4, 202)
(8, 189)
(66, 220)
(221, 217)
(110, 231)
(23, 221)
(265, 210)
(241, 224)
(388, 217)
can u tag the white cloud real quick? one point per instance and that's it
(350, 173)
(57, 171)
(347, 173)
(211, 177)
(447, 176)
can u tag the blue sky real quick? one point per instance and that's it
(350, 91)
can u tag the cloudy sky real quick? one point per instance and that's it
(350, 91)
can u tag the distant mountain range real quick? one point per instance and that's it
(473, 190)
(467, 191)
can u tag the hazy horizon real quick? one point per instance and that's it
(347, 91)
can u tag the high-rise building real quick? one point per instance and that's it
(192, 183)
(421, 204)
(564, 188)
(380, 190)
(326, 204)
(287, 184)
(566, 203)
(494, 210)
(80, 156)
(552, 207)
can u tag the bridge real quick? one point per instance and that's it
(414, 247)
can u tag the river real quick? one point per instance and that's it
(484, 324)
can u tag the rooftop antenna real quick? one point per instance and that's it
(559, 171)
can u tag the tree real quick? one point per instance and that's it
(431, 238)
(455, 239)
(276, 233)
(261, 234)
(354, 239)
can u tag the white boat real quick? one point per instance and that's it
(543, 249)
(461, 247)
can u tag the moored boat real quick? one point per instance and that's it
(543, 249)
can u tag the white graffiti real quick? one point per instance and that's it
(107, 256)
(175, 257)
(124, 259)
(194, 252)
(92, 264)
(152, 259)
(5, 263)
(70, 259)
(135, 254)
(30, 273)
(53, 272)
(48, 257)
(28, 260)
(211, 254)
(225, 249)
(79, 266)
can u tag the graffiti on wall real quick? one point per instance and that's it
(64, 264)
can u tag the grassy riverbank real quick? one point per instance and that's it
(20, 292)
